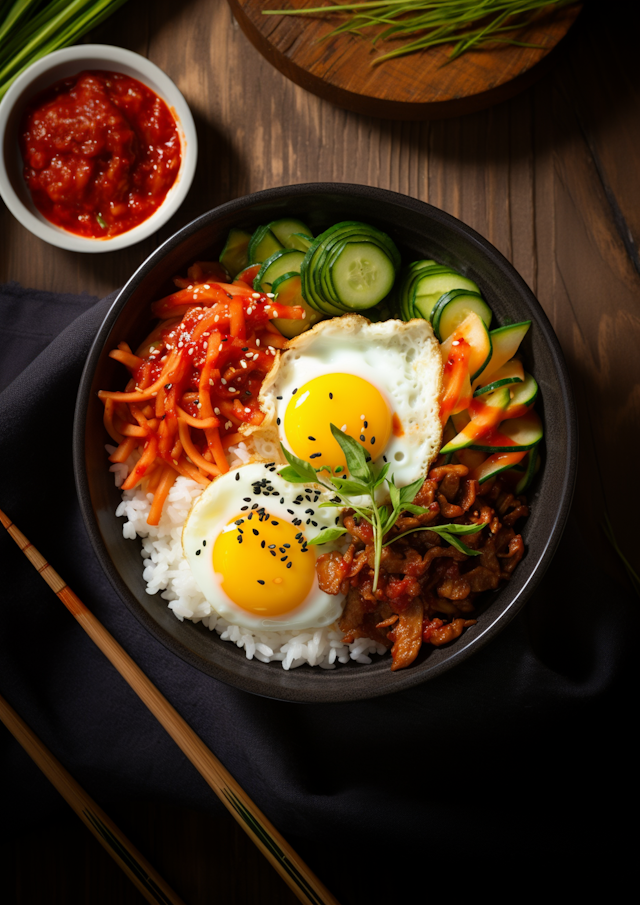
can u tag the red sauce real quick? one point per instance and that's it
(101, 151)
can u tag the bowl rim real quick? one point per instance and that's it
(391, 681)
(146, 72)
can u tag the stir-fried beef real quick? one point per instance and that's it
(426, 589)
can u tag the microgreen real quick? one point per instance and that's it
(358, 492)
(464, 23)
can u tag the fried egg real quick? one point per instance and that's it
(378, 382)
(246, 542)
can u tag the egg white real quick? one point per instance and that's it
(402, 360)
(221, 502)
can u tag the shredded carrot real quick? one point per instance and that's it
(168, 476)
(124, 450)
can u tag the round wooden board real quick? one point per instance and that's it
(418, 86)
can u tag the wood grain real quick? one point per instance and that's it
(426, 85)
(552, 178)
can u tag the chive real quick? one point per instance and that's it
(465, 24)
(101, 221)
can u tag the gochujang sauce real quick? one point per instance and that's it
(101, 151)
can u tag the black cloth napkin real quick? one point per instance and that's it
(517, 762)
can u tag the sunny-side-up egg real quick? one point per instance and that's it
(378, 382)
(246, 541)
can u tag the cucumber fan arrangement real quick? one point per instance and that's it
(487, 406)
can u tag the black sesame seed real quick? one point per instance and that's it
(308, 511)
(240, 531)
(204, 543)
(290, 511)
(330, 395)
(198, 552)
(366, 425)
(362, 437)
(315, 524)
(255, 531)
(373, 440)
(243, 508)
(315, 455)
(288, 565)
(277, 421)
(275, 523)
(295, 391)
(260, 581)
(239, 539)
(238, 476)
(282, 501)
(385, 458)
(272, 546)
(247, 499)
(312, 438)
(262, 543)
(286, 546)
(272, 552)
(255, 506)
(283, 559)
(278, 397)
(238, 521)
(245, 348)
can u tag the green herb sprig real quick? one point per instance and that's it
(464, 23)
(363, 482)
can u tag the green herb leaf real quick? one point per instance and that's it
(344, 485)
(408, 493)
(394, 493)
(446, 533)
(381, 476)
(326, 536)
(291, 475)
(354, 454)
(453, 540)
(304, 471)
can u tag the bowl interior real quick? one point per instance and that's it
(420, 231)
(63, 64)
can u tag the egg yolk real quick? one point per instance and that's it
(351, 403)
(265, 564)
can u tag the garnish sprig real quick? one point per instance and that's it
(363, 482)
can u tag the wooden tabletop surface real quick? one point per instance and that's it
(551, 178)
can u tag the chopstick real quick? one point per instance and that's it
(123, 852)
(306, 886)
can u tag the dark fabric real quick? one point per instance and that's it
(518, 759)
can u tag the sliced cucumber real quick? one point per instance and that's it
(286, 260)
(511, 372)
(523, 396)
(284, 229)
(486, 420)
(505, 342)
(453, 307)
(473, 331)
(533, 464)
(288, 291)
(496, 464)
(235, 254)
(513, 435)
(460, 421)
(434, 284)
(350, 267)
(403, 292)
(263, 244)
(300, 242)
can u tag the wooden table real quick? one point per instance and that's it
(552, 178)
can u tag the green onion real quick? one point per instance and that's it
(30, 29)
(464, 23)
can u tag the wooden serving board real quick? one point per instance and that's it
(417, 86)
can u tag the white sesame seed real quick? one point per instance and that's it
(232, 390)
(190, 352)
(255, 295)
(223, 381)
(248, 411)
(270, 295)
(243, 363)
(216, 411)
(205, 345)
(207, 286)
(211, 381)
(343, 428)
(257, 342)
(227, 425)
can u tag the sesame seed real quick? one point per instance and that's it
(262, 544)
(288, 565)
(275, 523)
(255, 531)
(277, 421)
(315, 455)
(330, 395)
(257, 342)
(223, 381)
(313, 439)
(362, 437)
(198, 552)
(373, 440)
(295, 391)
(216, 411)
(260, 581)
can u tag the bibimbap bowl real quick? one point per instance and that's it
(419, 231)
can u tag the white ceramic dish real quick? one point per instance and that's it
(59, 65)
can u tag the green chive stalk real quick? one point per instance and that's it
(464, 23)
(30, 29)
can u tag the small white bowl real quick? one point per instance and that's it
(59, 65)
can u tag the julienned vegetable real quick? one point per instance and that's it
(464, 23)
(30, 29)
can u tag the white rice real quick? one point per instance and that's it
(167, 572)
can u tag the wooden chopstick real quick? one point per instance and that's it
(271, 843)
(123, 852)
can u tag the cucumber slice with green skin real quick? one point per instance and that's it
(403, 294)
(284, 229)
(328, 260)
(488, 418)
(523, 396)
(496, 464)
(434, 284)
(235, 254)
(473, 330)
(288, 291)
(300, 242)
(263, 244)
(510, 373)
(460, 421)
(307, 269)
(362, 275)
(533, 464)
(284, 261)
(505, 342)
(514, 435)
(452, 308)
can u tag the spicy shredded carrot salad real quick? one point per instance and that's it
(194, 380)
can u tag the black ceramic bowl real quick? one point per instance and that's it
(420, 231)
